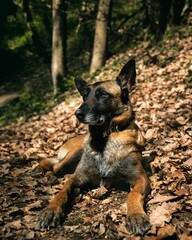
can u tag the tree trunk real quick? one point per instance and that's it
(100, 40)
(165, 7)
(146, 19)
(59, 44)
(178, 6)
(38, 43)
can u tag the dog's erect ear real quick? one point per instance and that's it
(81, 85)
(127, 76)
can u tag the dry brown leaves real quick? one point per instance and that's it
(163, 104)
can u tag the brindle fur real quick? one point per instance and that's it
(111, 151)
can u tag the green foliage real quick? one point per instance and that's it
(19, 41)
(68, 82)
(16, 34)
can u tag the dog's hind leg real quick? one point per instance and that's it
(69, 155)
(66, 161)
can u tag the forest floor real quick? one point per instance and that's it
(162, 101)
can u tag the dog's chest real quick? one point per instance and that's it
(109, 160)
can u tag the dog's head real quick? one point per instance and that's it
(107, 99)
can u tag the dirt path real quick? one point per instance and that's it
(7, 98)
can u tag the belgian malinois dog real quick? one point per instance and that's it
(108, 154)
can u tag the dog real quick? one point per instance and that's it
(109, 153)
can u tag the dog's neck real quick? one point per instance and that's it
(98, 138)
(117, 123)
(122, 120)
(99, 134)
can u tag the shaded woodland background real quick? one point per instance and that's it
(45, 44)
(37, 109)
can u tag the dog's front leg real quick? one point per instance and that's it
(137, 220)
(53, 214)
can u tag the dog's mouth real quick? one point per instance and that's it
(100, 121)
(91, 120)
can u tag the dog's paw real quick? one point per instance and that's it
(50, 217)
(137, 223)
(51, 178)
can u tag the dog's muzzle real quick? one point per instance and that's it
(89, 118)
(79, 115)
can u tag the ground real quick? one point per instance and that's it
(162, 102)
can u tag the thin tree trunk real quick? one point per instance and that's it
(178, 6)
(146, 20)
(59, 36)
(41, 51)
(165, 7)
(100, 40)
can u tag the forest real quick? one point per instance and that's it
(44, 45)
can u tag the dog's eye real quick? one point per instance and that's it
(102, 94)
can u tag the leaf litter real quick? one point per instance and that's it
(162, 101)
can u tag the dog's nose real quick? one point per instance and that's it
(79, 114)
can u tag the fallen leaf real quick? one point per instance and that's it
(15, 224)
(161, 198)
(86, 219)
(151, 133)
(186, 235)
(188, 163)
(163, 213)
(166, 232)
(101, 229)
(30, 235)
(107, 200)
(171, 146)
(99, 192)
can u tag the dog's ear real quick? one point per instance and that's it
(126, 80)
(127, 76)
(82, 86)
